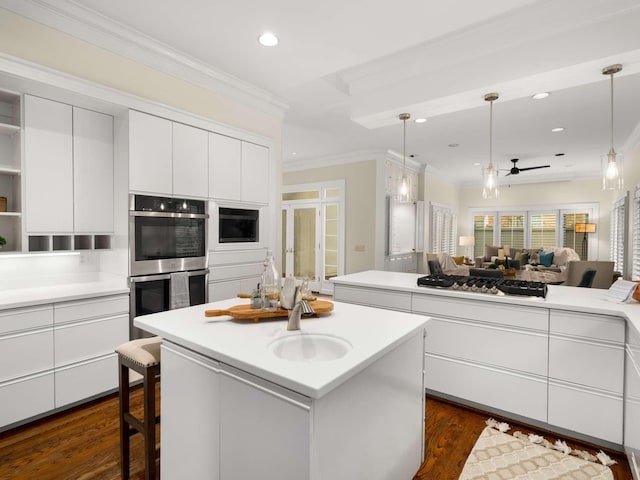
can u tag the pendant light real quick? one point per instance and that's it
(612, 178)
(490, 174)
(404, 183)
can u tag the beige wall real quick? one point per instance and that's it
(360, 199)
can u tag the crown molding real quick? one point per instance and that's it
(69, 17)
(296, 165)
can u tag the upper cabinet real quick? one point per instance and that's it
(190, 161)
(92, 171)
(48, 165)
(167, 158)
(10, 171)
(150, 154)
(238, 170)
(68, 170)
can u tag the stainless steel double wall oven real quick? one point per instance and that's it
(168, 254)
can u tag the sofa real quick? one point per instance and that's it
(554, 259)
(444, 263)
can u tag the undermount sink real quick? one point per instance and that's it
(309, 347)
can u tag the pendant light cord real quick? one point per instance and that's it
(491, 133)
(404, 146)
(612, 150)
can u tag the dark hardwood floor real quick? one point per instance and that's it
(83, 444)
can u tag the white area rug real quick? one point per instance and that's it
(500, 456)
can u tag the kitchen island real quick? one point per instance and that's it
(568, 363)
(343, 398)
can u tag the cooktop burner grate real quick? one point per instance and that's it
(484, 285)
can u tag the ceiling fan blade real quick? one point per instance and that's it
(534, 168)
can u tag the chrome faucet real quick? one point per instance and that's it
(296, 312)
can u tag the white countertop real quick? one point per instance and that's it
(372, 333)
(589, 300)
(62, 288)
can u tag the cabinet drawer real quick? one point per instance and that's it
(373, 297)
(483, 311)
(26, 353)
(599, 327)
(94, 308)
(231, 272)
(80, 341)
(25, 398)
(25, 318)
(586, 411)
(587, 363)
(499, 389)
(513, 349)
(83, 380)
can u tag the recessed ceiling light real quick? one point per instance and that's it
(294, 153)
(421, 120)
(540, 96)
(557, 129)
(453, 145)
(268, 39)
(476, 164)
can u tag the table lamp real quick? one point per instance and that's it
(468, 242)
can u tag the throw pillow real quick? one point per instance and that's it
(546, 259)
(522, 258)
(490, 251)
(459, 260)
(434, 267)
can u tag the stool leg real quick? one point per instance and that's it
(150, 422)
(123, 373)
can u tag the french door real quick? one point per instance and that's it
(301, 253)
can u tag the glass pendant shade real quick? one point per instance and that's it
(612, 177)
(404, 189)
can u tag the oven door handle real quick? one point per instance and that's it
(137, 213)
(165, 276)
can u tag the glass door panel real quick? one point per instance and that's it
(305, 243)
(331, 254)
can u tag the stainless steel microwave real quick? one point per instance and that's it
(167, 234)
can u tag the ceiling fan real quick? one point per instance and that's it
(515, 170)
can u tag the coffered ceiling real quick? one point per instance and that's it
(345, 69)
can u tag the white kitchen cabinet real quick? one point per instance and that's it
(255, 173)
(150, 154)
(190, 161)
(48, 165)
(238, 170)
(225, 167)
(632, 401)
(586, 368)
(86, 334)
(26, 363)
(374, 297)
(92, 172)
(190, 412)
(277, 433)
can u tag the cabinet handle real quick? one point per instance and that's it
(268, 391)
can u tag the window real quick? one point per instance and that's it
(483, 233)
(512, 230)
(618, 233)
(444, 229)
(536, 228)
(543, 230)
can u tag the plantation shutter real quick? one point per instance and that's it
(444, 229)
(483, 226)
(618, 233)
(543, 230)
(635, 273)
(512, 230)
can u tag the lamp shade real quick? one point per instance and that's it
(467, 241)
(585, 228)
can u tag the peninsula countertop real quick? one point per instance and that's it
(243, 344)
(588, 300)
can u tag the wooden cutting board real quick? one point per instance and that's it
(245, 312)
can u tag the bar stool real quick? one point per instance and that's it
(141, 356)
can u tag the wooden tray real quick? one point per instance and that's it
(245, 312)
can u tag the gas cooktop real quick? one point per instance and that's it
(488, 285)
